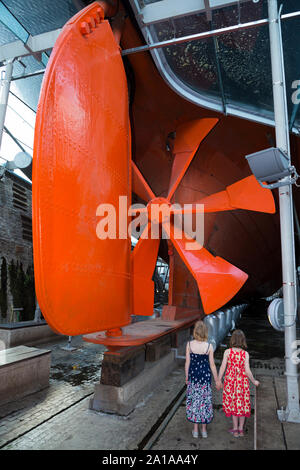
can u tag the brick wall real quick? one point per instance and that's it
(15, 224)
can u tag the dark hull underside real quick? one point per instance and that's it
(247, 239)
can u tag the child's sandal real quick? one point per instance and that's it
(235, 433)
(233, 430)
(241, 432)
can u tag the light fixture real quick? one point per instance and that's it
(271, 166)
(21, 160)
(276, 314)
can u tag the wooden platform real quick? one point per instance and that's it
(143, 332)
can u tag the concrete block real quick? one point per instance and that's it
(158, 348)
(122, 365)
(23, 370)
(25, 333)
(123, 400)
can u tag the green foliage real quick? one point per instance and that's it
(29, 294)
(22, 289)
(3, 288)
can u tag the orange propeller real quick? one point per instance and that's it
(217, 279)
(188, 138)
(244, 194)
(143, 259)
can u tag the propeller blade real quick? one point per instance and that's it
(143, 260)
(215, 203)
(140, 185)
(248, 194)
(218, 280)
(188, 138)
(245, 194)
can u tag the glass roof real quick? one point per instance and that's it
(40, 16)
(18, 20)
(230, 73)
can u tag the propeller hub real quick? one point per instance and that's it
(159, 210)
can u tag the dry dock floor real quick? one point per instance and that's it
(58, 418)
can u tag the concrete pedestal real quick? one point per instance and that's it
(121, 365)
(123, 400)
(25, 333)
(130, 373)
(23, 370)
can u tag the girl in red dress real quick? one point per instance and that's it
(236, 392)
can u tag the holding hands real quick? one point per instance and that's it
(219, 384)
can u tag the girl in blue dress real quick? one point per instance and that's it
(199, 366)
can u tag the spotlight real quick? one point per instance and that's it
(271, 166)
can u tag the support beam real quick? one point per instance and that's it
(5, 80)
(161, 11)
(23, 102)
(11, 23)
(167, 9)
(34, 45)
(28, 75)
(292, 411)
(16, 141)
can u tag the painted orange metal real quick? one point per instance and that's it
(245, 194)
(140, 185)
(144, 258)
(109, 8)
(248, 194)
(188, 138)
(217, 279)
(249, 240)
(81, 159)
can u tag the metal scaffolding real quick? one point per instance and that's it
(292, 411)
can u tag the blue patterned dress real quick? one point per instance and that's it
(199, 407)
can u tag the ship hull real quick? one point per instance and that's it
(247, 239)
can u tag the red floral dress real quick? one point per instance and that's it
(236, 391)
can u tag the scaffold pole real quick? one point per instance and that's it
(5, 80)
(292, 412)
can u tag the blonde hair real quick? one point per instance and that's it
(200, 332)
